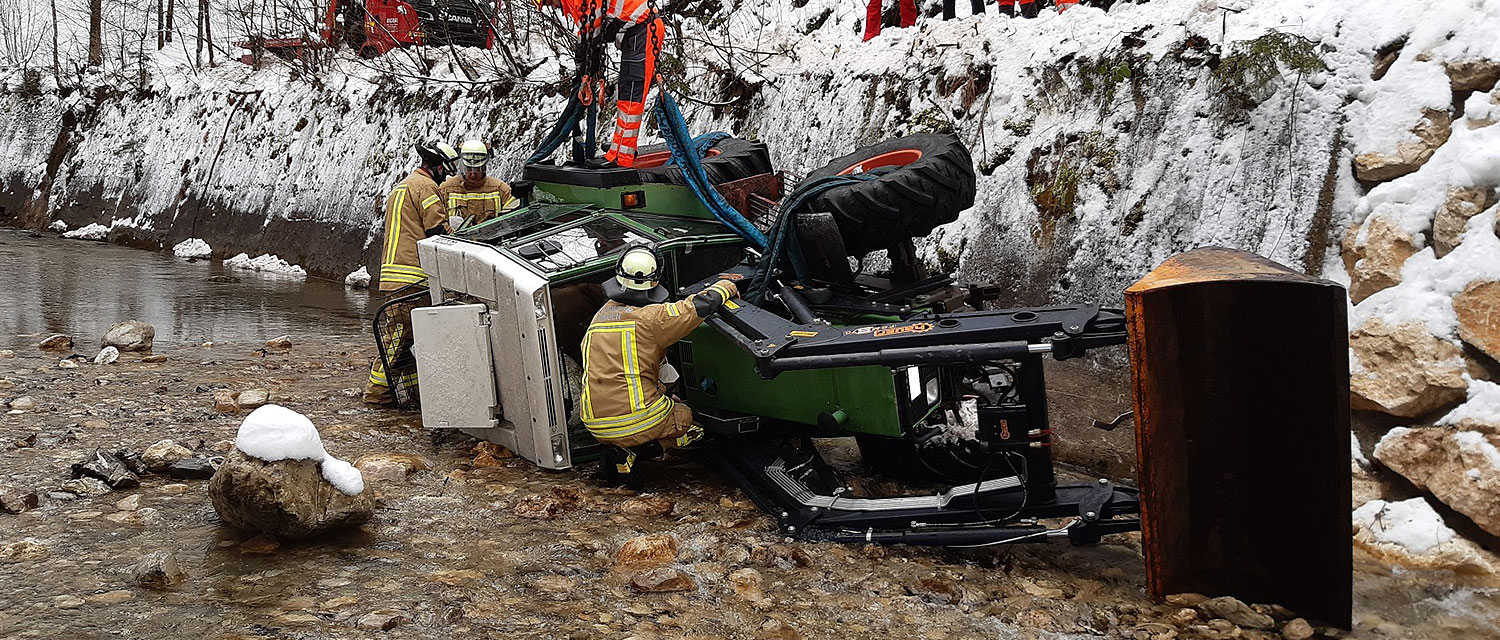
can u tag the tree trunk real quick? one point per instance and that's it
(56, 67)
(96, 32)
(171, 18)
(161, 27)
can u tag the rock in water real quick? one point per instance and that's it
(23, 403)
(1460, 468)
(161, 455)
(57, 342)
(17, 500)
(647, 551)
(661, 579)
(252, 398)
(648, 506)
(131, 335)
(192, 469)
(159, 570)
(107, 355)
(287, 498)
(109, 468)
(279, 343)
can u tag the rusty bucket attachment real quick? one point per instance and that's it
(1240, 370)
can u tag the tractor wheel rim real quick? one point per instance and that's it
(897, 158)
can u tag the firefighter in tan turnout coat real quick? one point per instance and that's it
(624, 403)
(472, 196)
(413, 211)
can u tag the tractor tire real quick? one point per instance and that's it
(735, 158)
(924, 181)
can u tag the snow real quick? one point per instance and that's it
(192, 248)
(1482, 406)
(94, 231)
(1357, 456)
(273, 432)
(1410, 524)
(58, 226)
(1476, 443)
(265, 263)
(359, 278)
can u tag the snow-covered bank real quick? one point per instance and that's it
(1105, 141)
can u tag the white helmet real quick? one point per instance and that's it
(474, 154)
(637, 269)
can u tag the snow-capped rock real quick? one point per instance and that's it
(1403, 370)
(192, 248)
(1460, 468)
(265, 263)
(94, 231)
(1410, 533)
(359, 278)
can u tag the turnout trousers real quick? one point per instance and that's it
(638, 50)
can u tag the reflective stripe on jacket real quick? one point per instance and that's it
(622, 355)
(477, 204)
(413, 207)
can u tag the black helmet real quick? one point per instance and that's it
(441, 154)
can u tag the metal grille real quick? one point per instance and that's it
(393, 342)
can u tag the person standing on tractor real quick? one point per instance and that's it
(472, 196)
(625, 405)
(635, 25)
(413, 211)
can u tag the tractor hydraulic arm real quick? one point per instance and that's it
(779, 344)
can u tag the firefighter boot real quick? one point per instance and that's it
(616, 466)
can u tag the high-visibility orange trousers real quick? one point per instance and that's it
(638, 51)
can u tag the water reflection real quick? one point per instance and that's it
(79, 287)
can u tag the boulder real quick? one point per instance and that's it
(1297, 629)
(1374, 261)
(224, 401)
(747, 584)
(1404, 370)
(60, 342)
(1460, 468)
(23, 403)
(1407, 157)
(161, 455)
(23, 550)
(108, 468)
(1448, 225)
(546, 506)
(647, 551)
(1237, 612)
(192, 469)
(287, 498)
(1475, 74)
(1409, 533)
(252, 398)
(390, 467)
(279, 343)
(1478, 310)
(107, 355)
(131, 335)
(159, 570)
(661, 580)
(647, 506)
(13, 500)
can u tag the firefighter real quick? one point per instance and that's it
(625, 405)
(472, 196)
(413, 211)
(635, 25)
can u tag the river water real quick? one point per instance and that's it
(54, 285)
(458, 548)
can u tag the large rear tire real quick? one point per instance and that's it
(925, 181)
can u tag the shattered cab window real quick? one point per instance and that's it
(577, 245)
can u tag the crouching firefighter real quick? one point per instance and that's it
(635, 26)
(625, 405)
(413, 211)
(473, 196)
